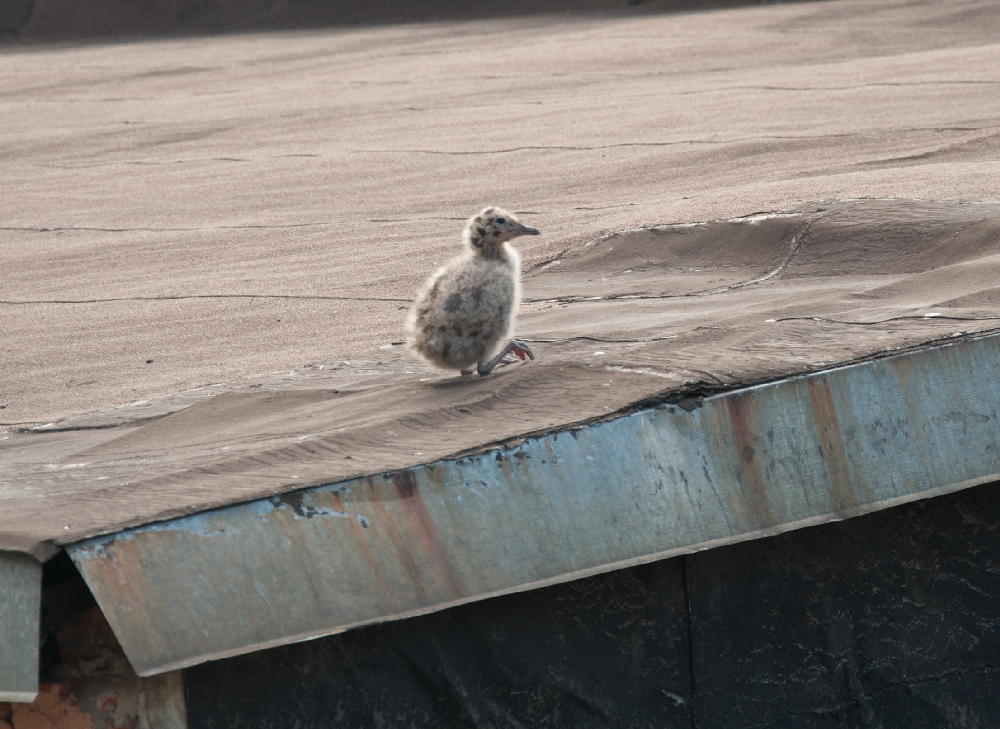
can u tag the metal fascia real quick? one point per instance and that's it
(657, 483)
(20, 614)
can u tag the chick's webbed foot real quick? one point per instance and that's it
(519, 353)
(513, 352)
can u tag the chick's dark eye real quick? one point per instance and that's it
(501, 221)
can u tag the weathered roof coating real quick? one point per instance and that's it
(240, 204)
(20, 615)
(665, 480)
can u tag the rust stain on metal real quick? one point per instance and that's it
(904, 367)
(122, 573)
(420, 519)
(831, 442)
(744, 420)
(402, 548)
(359, 527)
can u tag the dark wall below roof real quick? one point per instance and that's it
(886, 620)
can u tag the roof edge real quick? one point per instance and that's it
(666, 480)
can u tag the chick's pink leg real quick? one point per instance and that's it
(520, 349)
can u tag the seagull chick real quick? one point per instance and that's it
(466, 309)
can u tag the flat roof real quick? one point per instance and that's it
(646, 316)
(233, 205)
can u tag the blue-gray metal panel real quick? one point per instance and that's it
(20, 611)
(657, 483)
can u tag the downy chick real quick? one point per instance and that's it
(466, 309)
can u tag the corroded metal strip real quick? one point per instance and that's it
(20, 612)
(657, 483)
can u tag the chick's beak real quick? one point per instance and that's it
(518, 229)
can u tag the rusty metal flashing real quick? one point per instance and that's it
(663, 481)
(20, 611)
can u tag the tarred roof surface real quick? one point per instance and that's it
(236, 205)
